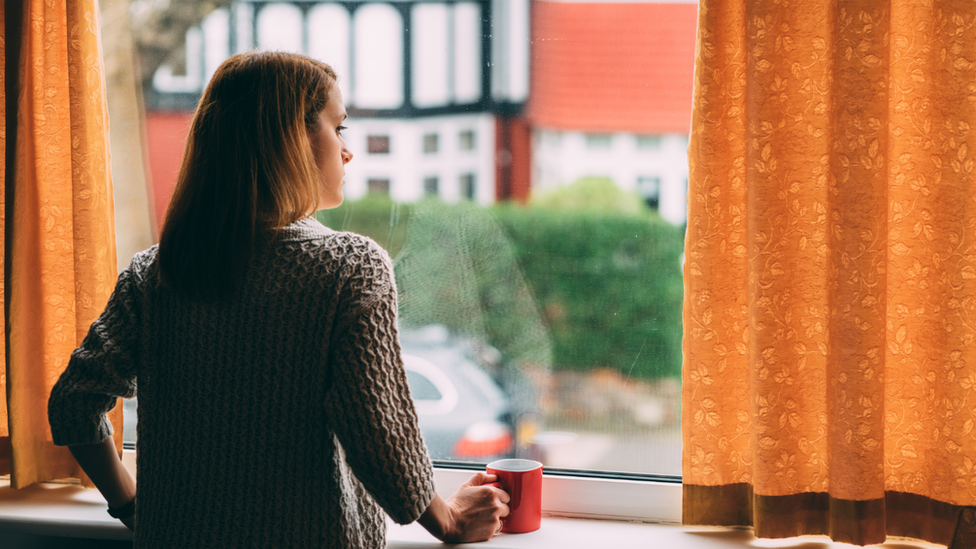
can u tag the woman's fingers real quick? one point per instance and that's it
(480, 478)
(479, 508)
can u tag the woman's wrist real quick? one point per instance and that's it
(125, 511)
(439, 519)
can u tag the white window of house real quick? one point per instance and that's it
(648, 142)
(280, 27)
(466, 182)
(378, 66)
(430, 143)
(598, 141)
(431, 184)
(649, 188)
(328, 28)
(378, 144)
(432, 50)
(378, 185)
(467, 64)
(466, 140)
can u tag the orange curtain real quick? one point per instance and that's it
(830, 275)
(58, 230)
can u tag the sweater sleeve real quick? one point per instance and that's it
(369, 402)
(99, 372)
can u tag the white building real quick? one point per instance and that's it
(435, 92)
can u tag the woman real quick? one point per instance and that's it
(273, 404)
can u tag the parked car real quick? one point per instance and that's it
(464, 412)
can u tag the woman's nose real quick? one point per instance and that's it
(346, 156)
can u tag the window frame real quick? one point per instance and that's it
(570, 493)
(588, 494)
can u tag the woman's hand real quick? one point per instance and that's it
(473, 513)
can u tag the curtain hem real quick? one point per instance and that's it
(816, 513)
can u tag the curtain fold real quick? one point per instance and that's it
(830, 279)
(58, 242)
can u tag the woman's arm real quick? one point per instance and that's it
(101, 463)
(473, 513)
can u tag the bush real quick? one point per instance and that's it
(591, 194)
(577, 289)
(609, 286)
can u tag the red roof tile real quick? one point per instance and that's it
(612, 67)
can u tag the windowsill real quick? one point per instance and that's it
(61, 510)
(65, 510)
(71, 511)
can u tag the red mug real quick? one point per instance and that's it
(522, 480)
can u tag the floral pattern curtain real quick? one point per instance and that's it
(58, 242)
(830, 276)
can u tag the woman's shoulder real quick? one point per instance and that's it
(353, 254)
(144, 265)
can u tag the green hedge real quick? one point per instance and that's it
(571, 289)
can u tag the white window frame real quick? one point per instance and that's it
(565, 495)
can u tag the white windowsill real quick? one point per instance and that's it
(71, 511)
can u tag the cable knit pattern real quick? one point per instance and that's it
(280, 417)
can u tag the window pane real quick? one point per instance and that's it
(466, 182)
(538, 247)
(378, 144)
(430, 143)
(378, 186)
(466, 141)
(430, 186)
(598, 141)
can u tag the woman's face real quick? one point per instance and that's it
(330, 151)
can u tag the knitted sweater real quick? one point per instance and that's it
(278, 418)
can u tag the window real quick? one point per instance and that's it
(430, 143)
(378, 144)
(598, 141)
(571, 349)
(648, 142)
(650, 189)
(466, 140)
(378, 185)
(466, 183)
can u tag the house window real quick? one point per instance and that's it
(648, 142)
(598, 141)
(466, 140)
(430, 143)
(649, 188)
(430, 185)
(378, 185)
(378, 144)
(467, 183)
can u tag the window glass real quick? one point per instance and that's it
(649, 142)
(649, 188)
(599, 141)
(430, 143)
(539, 259)
(466, 182)
(378, 185)
(466, 140)
(378, 144)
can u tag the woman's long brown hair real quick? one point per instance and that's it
(248, 169)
